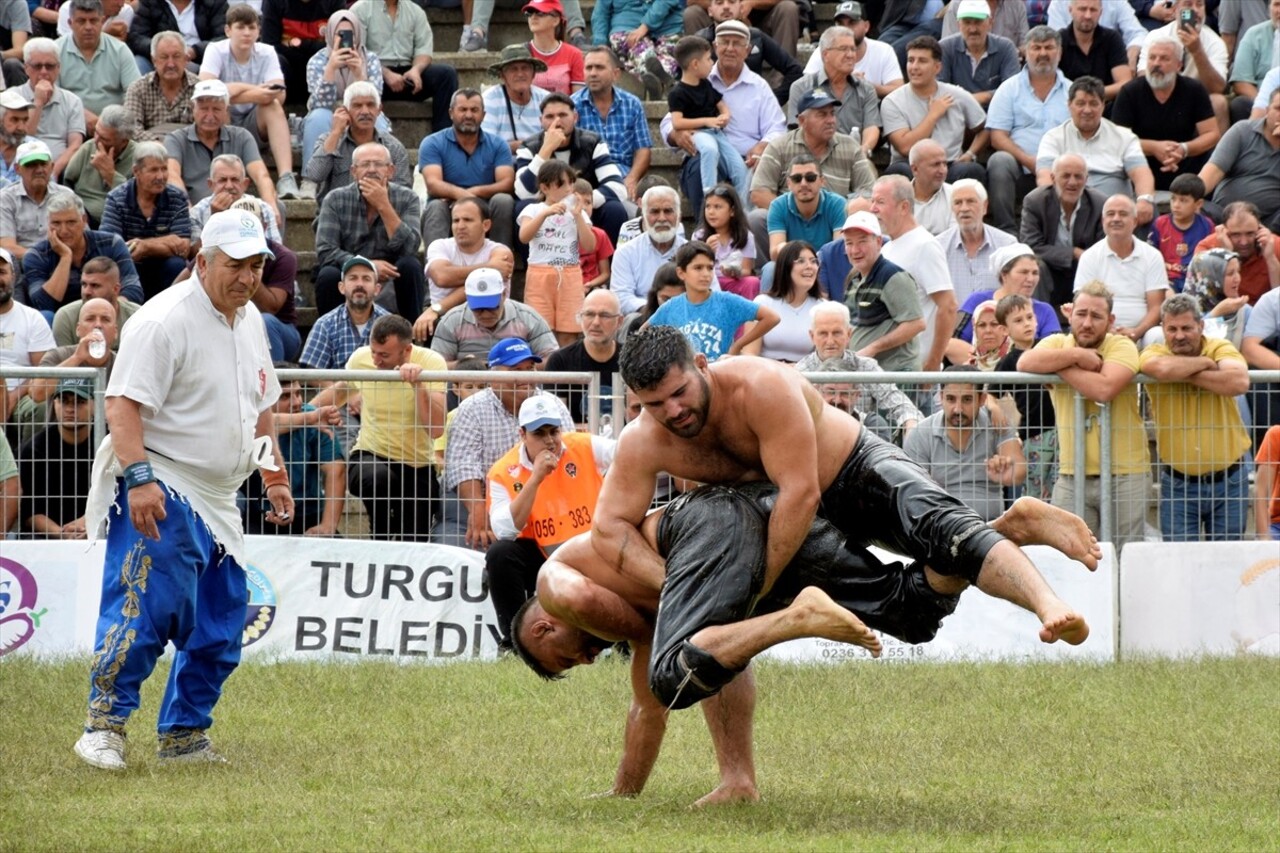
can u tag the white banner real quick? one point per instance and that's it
(1219, 598)
(986, 628)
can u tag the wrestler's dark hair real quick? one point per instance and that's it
(522, 651)
(650, 353)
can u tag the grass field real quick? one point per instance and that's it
(1137, 756)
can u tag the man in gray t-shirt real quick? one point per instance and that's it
(1245, 165)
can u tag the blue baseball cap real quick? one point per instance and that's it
(509, 352)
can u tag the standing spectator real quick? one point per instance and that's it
(98, 68)
(887, 318)
(793, 296)
(636, 262)
(359, 121)
(973, 57)
(970, 243)
(330, 72)
(401, 36)
(55, 265)
(1024, 108)
(1059, 222)
(859, 104)
(1133, 270)
(512, 108)
(103, 165)
(376, 219)
(390, 468)
(57, 114)
(55, 466)
(963, 451)
(1201, 441)
(564, 72)
(1100, 366)
(296, 29)
(539, 493)
(643, 33)
(1170, 114)
(27, 338)
(487, 317)
(1245, 167)
(926, 108)
(1090, 49)
(24, 206)
(255, 83)
(99, 279)
(597, 352)
(1213, 280)
(1267, 501)
(617, 116)
(161, 101)
(228, 183)
(1177, 233)
(181, 517)
(596, 262)
(931, 194)
(463, 161)
(199, 22)
(556, 231)
(153, 219)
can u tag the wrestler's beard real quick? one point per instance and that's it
(696, 414)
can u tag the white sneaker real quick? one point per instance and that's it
(308, 189)
(200, 752)
(102, 748)
(287, 186)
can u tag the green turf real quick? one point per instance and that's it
(1137, 756)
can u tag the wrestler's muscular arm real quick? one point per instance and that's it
(624, 499)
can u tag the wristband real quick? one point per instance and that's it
(274, 478)
(138, 474)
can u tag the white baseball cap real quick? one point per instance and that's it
(30, 151)
(13, 99)
(237, 233)
(973, 9)
(537, 412)
(863, 220)
(6, 257)
(211, 89)
(483, 288)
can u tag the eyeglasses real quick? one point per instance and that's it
(589, 316)
(845, 49)
(529, 13)
(43, 66)
(807, 177)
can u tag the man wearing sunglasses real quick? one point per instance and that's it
(808, 211)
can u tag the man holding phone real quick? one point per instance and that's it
(1205, 56)
(255, 82)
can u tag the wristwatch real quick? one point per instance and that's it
(436, 307)
(1148, 198)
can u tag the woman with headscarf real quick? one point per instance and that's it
(342, 61)
(1017, 271)
(990, 339)
(1213, 278)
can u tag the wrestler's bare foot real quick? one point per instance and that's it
(818, 616)
(1031, 521)
(1063, 623)
(730, 793)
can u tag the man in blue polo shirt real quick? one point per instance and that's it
(152, 217)
(808, 212)
(462, 161)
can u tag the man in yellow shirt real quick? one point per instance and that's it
(1200, 436)
(390, 466)
(1100, 366)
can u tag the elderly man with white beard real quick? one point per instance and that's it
(636, 262)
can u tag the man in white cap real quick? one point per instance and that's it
(27, 338)
(15, 118)
(184, 436)
(487, 317)
(24, 206)
(540, 493)
(887, 317)
(451, 260)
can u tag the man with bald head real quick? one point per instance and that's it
(99, 279)
(601, 318)
(1059, 222)
(928, 162)
(95, 323)
(1131, 268)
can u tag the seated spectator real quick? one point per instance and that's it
(295, 28)
(1036, 425)
(596, 264)
(539, 494)
(848, 396)
(831, 330)
(255, 83)
(874, 60)
(357, 122)
(1016, 272)
(643, 33)
(1177, 233)
(390, 468)
(475, 24)
(1266, 89)
(1213, 280)
(723, 227)
(95, 66)
(153, 219)
(586, 152)
(1254, 56)
(970, 243)
(513, 107)
(780, 19)
(1257, 247)
(792, 296)
(1169, 113)
(808, 212)
(27, 338)
(276, 297)
(616, 115)
(666, 286)
(452, 259)
(1114, 155)
(1205, 59)
(15, 117)
(597, 351)
(54, 268)
(859, 104)
(199, 22)
(95, 331)
(1066, 200)
(401, 36)
(1025, 107)
(887, 314)
(1133, 270)
(314, 462)
(1235, 18)
(1006, 18)
(636, 263)
(55, 465)
(330, 72)
(1115, 16)
(99, 279)
(564, 72)
(1091, 48)
(760, 48)
(487, 317)
(339, 333)
(376, 219)
(463, 161)
(963, 451)
(931, 192)
(904, 21)
(24, 206)
(1245, 166)
(57, 114)
(162, 100)
(1261, 349)
(193, 148)
(928, 109)
(228, 183)
(15, 29)
(105, 163)
(973, 57)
